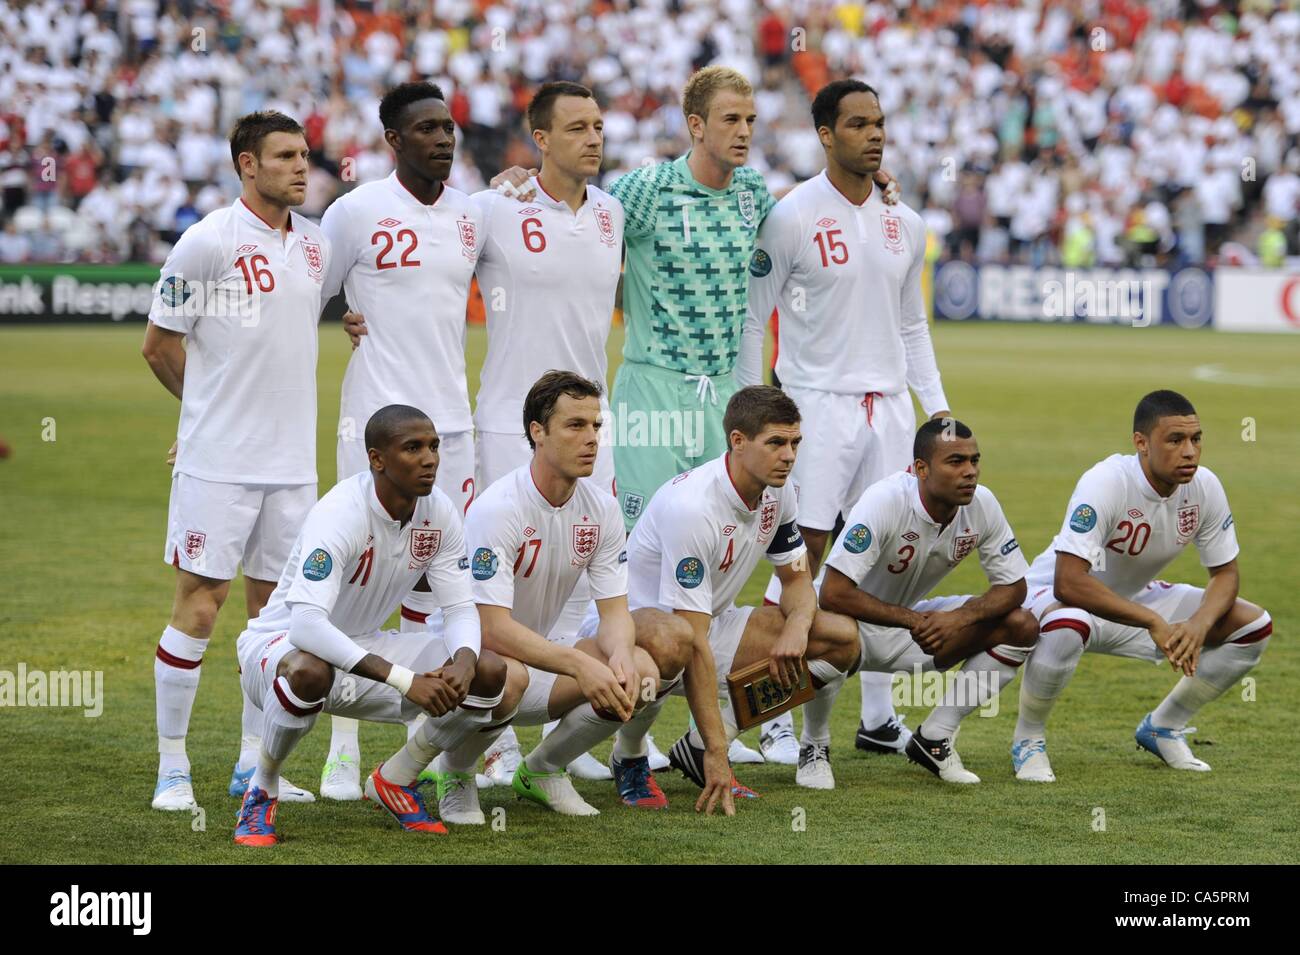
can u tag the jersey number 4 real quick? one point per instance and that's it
(407, 237)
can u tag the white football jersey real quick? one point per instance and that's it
(248, 301)
(548, 277)
(526, 554)
(356, 562)
(1128, 533)
(894, 550)
(407, 268)
(698, 541)
(846, 281)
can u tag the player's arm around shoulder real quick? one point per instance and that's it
(638, 190)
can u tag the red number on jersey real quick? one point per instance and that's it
(1135, 537)
(366, 562)
(536, 544)
(468, 485)
(905, 554)
(405, 236)
(255, 268)
(727, 558)
(826, 241)
(536, 234)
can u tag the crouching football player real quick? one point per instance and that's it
(362, 547)
(903, 536)
(1095, 588)
(691, 553)
(531, 537)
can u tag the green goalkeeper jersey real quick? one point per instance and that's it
(687, 275)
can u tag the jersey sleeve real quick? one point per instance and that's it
(491, 540)
(859, 545)
(685, 578)
(764, 203)
(787, 544)
(448, 575)
(1000, 553)
(1092, 515)
(1216, 537)
(918, 345)
(638, 190)
(342, 251)
(607, 569)
(328, 544)
(769, 268)
(188, 276)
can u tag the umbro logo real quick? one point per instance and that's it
(1134, 513)
(530, 211)
(245, 249)
(726, 531)
(911, 536)
(826, 222)
(389, 222)
(529, 531)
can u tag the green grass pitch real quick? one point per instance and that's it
(84, 588)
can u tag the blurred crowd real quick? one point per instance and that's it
(1078, 132)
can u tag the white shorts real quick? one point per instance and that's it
(499, 454)
(534, 705)
(455, 464)
(849, 443)
(351, 695)
(1174, 602)
(892, 649)
(213, 528)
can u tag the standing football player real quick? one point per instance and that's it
(531, 536)
(539, 317)
(233, 336)
(905, 534)
(843, 269)
(405, 251)
(318, 647)
(1095, 588)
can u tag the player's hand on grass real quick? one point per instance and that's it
(786, 659)
(514, 183)
(433, 694)
(171, 454)
(354, 323)
(890, 190)
(601, 687)
(717, 784)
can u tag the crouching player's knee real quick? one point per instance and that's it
(489, 675)
(308, 676)
(834, 639)
(1021, 628)
(667, 638)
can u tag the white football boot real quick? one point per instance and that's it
(1170, 745)
(814, 770)
(1029, 760)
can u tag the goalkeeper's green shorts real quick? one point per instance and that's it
(663, 423)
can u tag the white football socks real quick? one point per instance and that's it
(817, 711)
(980, 680)
(578, 731)
(877, 700)
(250, 739)
(286, 720)
(1218, 670)
(177, 666)
(1056, 654)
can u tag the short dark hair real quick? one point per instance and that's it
(1157, 405)
(403, 95)
(249, 131)
(826, 104)
(539, 405)
(934, 431)
(541, 108)
(386, 423)
(753, 408)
